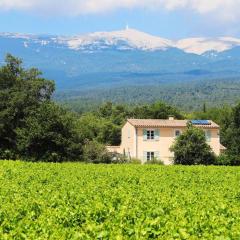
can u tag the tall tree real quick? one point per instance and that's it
(21, 91)
(158, 110)
(50, 135)
(31, 125)
(204, 108)
(231, 133)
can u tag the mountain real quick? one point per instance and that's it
(127, 39)
(133, 39)
(122, 40)
(203, 45)
(121, 58)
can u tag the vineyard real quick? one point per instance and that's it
(80, 201)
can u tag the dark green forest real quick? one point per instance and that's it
(34, 127)
(187, 96)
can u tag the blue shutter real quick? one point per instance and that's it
(156, 134)
(144, 135)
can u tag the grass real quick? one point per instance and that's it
(80, 201)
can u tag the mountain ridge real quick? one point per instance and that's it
(122, 58)
(128, 39)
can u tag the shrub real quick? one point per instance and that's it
(8, 155)
(117, 158)
(191, 148)
(94, 152)
(223, 160)
(155, 161)
(135, 161)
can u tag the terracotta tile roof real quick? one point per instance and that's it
(166, 123)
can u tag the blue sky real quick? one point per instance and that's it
(166, 18)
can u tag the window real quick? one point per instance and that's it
(150, 134)
(150, 156)
(177, 133)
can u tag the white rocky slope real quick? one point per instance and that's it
(132, 39)
(202, 45)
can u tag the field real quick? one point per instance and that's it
(78, 201)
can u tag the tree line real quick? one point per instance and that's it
(33, 127)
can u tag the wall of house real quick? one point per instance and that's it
(114, 149)
(161, 146)
(128, 140)
(166, 140)
(215, 141)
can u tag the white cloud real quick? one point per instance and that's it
(224, 9)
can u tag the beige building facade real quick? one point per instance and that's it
(148, 139)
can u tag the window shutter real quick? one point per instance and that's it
(145, 156)
(157, 135)
(144, 135)
(157, 155)
(208, 135)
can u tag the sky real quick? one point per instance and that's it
(172, 19)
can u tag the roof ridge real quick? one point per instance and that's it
(167, 123)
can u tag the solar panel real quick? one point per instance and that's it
(201, 122)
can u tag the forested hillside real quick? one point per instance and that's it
(187, 95)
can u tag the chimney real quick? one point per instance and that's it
(171, 118)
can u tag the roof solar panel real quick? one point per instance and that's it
(201, 122)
